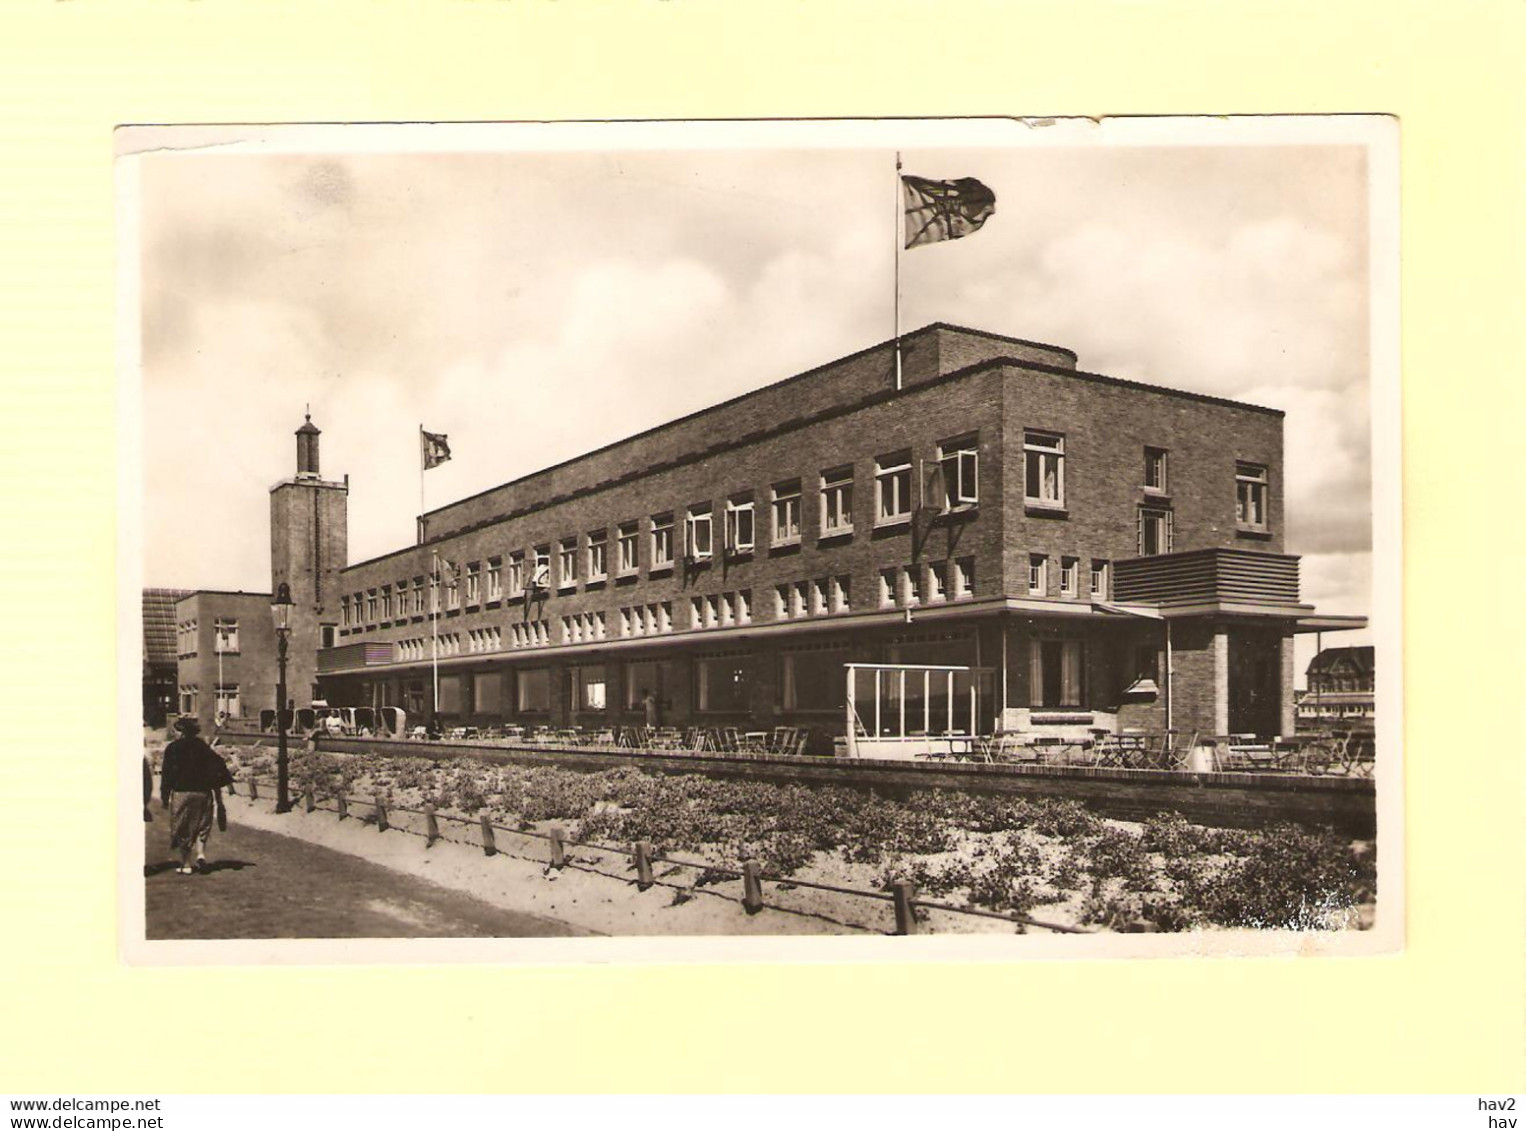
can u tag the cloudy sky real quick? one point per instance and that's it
(534, 304)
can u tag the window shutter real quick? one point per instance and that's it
(1139, 533)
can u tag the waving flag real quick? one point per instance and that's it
(944, 210)
(435, 448)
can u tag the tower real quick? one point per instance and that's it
(309, 545)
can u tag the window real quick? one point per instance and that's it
(722, 684)
(1251, 490)
(837, 501)
(744, 607)
(188, 697)
(662, 541)
(593, 687)
(227, 700)
(540, 574)
(964, 577)
(892, 488)
(516, 573)
(1044, 469)
(1054, 673)
(887, 588)
(937, 582)
(665, 616)
(819, 597)
(326, 636)
(959, 463)
(786, 512)
(1038, 575)
(370, 606)
(474, 583)
(1099, 578)
(698, 534)
(344, 611)
(534, 689)
(1154, 531)
(567, 564)
(1070, 577)
(813, 680)
(418, 595)
(452, 586)
(739, 525)
(1155, 470)
(598, 560)
(782, 601)
(225, 638)
(487, 693)
(495, 579)
(625, 548)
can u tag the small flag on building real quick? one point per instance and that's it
(436, 448)
(944, 210)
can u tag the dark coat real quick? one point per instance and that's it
(191, 766)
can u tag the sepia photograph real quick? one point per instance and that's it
(772, 530)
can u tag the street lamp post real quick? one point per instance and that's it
(280, 610)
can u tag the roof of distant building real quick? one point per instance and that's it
(159, 644)
(1360, 656)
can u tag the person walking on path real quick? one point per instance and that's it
(191, 786)
(650, 707)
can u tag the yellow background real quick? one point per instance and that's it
(1446, 1015)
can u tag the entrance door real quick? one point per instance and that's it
(1255, 684)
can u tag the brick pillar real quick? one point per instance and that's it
(1287, 712)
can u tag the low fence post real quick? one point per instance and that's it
(343, 804)
(254, 788)
(752, 887)
(903, 892)
(489, 844)
(643, 854)
(558, 837)
(431, 826)
(308, 801)
(381, 814)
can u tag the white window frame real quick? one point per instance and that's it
(699, 534)
(911, 587)
(1253, 489)
(837, 493)
(741, 525)
(1038, 575)
(567, 564)
(782, 592)
(784, 509)
(628, 548)
(959, 462)
(1163, 514)
(964, 578)
(662, 541)
(892, 483)
(495, 579)
(841, 594)
(1070, 577)
(474, 583)
(937, 582)
(1156, 466)
(225, 636)
(598, 555)
(888, 580)
(515, 579)
(1049, 448)
(1099, 578)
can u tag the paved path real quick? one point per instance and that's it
(262, 885)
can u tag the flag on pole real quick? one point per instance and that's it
(435, 447)
(944, 210)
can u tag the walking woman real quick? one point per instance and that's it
(191, 786)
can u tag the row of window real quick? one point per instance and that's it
(647, 620)
(224, 636)
(228, 705)
(911, 585)
(1070, 576)
(952, 481)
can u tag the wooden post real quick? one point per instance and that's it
(643, 854)
(903, 892)
(558, 847)
(752, 887)
(489, 845)
(381, 814)
(308, 802)
(343, 804)
(254, 788)
(431, 827)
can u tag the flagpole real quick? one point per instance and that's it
(899, 240)
(434, 636)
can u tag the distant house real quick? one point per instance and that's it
(1341, 687)
(160, 654)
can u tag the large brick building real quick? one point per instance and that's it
(1061, 532)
